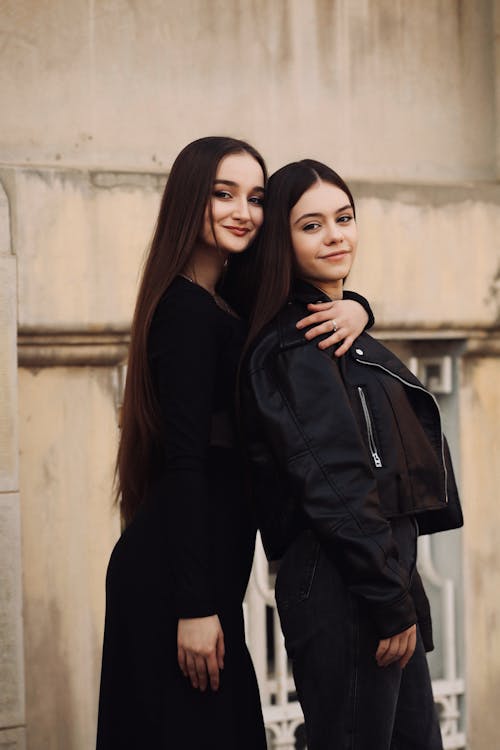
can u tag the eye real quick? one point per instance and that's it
(256, 200)
(222, 194)
(345, 219)
(311, 226)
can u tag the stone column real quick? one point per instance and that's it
(12, 733)
(480, 443)
(496, 81)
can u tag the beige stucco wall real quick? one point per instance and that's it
(480, 439)
(97, 98)
(415, 263)
(80, 237)
(67, 432)
(12, 715)
(382, 89)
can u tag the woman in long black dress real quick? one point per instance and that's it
(176, 672)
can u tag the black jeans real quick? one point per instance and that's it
(349, 702)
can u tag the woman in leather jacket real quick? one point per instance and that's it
(175, 668)
(348, 462)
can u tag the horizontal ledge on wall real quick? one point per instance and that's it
(426, 193)
(485, 347)
(109, 348)
(477, 342)
(98, 349)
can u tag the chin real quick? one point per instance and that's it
(236, 248)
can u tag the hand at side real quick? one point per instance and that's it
(200, 650)
(399, 648)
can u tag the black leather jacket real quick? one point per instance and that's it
(341, 446)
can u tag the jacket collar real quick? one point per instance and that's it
(306, 293)
(370, 352)
(365, 349)
(301, 294)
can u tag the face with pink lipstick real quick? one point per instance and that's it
(324, 235)
(235, 212)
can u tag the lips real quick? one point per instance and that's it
(238, 231)
(339, 255)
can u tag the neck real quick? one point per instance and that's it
(205, 266)
(332, 289)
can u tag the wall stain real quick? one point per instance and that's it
(428, 194)
(494, 294)
(131, 180)
(48, 666)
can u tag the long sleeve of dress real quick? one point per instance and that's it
(183, 347)
(355, 297)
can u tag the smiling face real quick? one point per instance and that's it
(324, 236)
(235, 212)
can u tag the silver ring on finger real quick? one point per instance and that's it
(334, 325)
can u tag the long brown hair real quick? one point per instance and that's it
(185, 198)
(270, 267)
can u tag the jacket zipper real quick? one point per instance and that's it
(428, 393)
(369, 428)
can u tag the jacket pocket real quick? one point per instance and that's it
(297, 569)
(372, 443)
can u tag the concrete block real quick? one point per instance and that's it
(13, 739)
(68, 436)
(79, 238)
(352, 83)
(11, 632)
(8, 375)
(427, 256)
(5, 247)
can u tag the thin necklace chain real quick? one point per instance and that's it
(217, 298)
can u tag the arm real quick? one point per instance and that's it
(184, 377)
(347, 318)
(307, 423)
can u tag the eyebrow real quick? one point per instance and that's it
(308, 216)
(231, 183)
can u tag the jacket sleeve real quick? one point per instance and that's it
(184, 373)
(299, 400)
(355, 297)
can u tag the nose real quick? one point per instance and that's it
(335, 233)
(241, 210)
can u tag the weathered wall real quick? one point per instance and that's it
(126, 83)
(79, 259)
(68, 435)
(97, 98)
(480, 418)
(11, 632)
(496, 67)
(417, 264)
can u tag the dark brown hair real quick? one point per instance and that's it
(270, 268)
(185, 198)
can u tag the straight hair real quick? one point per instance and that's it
(270, 266)
(186, 196)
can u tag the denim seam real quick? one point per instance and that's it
(354, 679)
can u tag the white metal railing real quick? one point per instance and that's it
(282, 712)
(450, 687)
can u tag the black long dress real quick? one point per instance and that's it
(188, 551)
